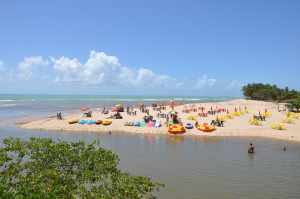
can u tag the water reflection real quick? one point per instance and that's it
(207, 139)
(174, 139)
(151, 139)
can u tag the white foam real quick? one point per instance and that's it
(7, 105)
(7, 100)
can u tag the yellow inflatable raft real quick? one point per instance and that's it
(74, 121)
(106, 122)
(279, 126)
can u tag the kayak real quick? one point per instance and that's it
(206, 128)
(176, 129)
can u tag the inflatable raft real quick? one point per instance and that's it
(176, 129)
(206, 128)
(98, 122)
(106, 122)
(73, 121)
(87, 122)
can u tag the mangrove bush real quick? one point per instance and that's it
(43, 168)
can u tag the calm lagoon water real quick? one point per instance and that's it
(190, 168)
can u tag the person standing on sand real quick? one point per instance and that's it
(167, 119)
(251, 148)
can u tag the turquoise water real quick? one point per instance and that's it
(42, 105)
(120, 98)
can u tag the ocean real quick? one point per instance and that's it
(12, 106)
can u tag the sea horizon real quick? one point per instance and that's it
(106, 97)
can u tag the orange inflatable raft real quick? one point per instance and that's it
(206, 128)
(176, 129)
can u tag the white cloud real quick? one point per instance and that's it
(68, 69)
(2, 68)
(26, 68)
(146, 77)
(6, 73)
(101, 70)
(204, 81)
(179, 84)
(105, 70)
(234, 84)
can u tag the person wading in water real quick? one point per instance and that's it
(284, 148)
(251, 148)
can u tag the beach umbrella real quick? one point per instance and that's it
(191, 117)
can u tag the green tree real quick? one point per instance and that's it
(42, 168)
(259, 91)
(294, 105)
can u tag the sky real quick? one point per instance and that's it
(184, 47)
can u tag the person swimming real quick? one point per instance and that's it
(251, 148)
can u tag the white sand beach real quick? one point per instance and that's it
(237, 126)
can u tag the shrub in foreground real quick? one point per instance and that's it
(43, 168)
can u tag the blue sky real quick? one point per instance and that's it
(203, 47)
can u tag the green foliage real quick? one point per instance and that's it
(294, 105)
(42, 168)
(259, 91)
